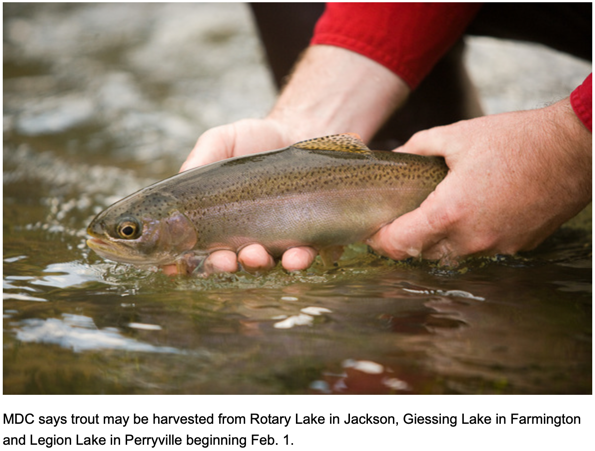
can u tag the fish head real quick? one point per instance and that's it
(143, 229)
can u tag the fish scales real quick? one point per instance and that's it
(288, 194)
(321, 193)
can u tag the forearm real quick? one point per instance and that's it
(333, 90)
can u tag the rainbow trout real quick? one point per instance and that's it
(323, 193)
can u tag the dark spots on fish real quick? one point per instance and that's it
(282, 173)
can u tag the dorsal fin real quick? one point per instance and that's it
(346, 142)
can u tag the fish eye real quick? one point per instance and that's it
(128, 229)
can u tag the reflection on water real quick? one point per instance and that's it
(92, 115)
(80, 333)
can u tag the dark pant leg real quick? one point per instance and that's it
(285, 30)
(567, 27)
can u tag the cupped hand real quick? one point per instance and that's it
(243, 138)
(514, 178)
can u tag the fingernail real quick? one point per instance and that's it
(414, 252)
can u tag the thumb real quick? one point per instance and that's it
(426, 142)
(213, 145)
(411, 234)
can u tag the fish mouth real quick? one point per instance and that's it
(103, 248)
(110, 251)
(117, 253)
(98, 245)
(92, 242)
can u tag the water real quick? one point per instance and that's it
(101, 100)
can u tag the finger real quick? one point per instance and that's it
(298, 258)
(412, 234)
(169, 270)
(255, 258)
(221, 261)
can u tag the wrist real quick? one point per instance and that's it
(334, 90)
(572, 134)
(572, 154)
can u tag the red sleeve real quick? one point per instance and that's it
(581, 100)
(407, 38)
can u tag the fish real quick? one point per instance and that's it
(324, 192)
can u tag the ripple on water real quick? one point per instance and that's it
(68, 274)
(80, 333)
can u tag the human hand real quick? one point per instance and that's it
(243, 138)
(332, 90)
(514, 179)
(236, 139)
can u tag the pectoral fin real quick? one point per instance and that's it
(330, 255)
(190, 263)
